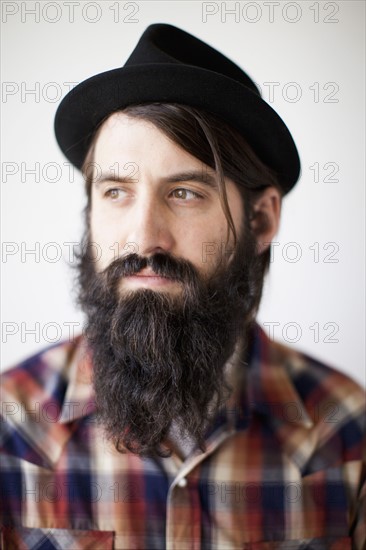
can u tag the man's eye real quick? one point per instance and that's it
(113, 193)
(185, 194)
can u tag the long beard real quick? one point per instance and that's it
(159, 358)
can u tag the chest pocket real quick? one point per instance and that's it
(23, 538)
(322, 543)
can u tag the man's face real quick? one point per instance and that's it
(149, 196)
(166, 300)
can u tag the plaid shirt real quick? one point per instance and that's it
(284, 466)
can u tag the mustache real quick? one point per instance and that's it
(163, 265)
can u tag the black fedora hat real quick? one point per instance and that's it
(172, 66)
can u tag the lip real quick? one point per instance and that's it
(148, 272)
(148, 277)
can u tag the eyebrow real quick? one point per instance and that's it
(191, 175)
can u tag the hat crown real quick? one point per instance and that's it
(169, 65)
(162, 43)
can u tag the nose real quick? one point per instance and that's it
(150, 226)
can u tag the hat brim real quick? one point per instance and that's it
(82, 110)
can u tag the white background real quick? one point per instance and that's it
(313, 50)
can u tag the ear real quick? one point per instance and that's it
(265, 219)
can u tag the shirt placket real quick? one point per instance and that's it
(183, 508)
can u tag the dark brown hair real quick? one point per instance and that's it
(213, 142)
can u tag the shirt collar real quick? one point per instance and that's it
(272, 393)
(79, 399)
(33, 399)
(271, 390)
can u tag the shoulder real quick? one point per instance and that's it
(316, 381)
(332, 401)
(312, 378)
(299, 391)
(46, 370)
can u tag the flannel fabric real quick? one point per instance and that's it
(284, 466)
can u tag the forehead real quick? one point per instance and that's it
(123, 138)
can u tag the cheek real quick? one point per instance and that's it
(106, 239)
(204, 244)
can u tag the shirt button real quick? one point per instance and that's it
(182, 482)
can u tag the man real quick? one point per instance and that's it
(174, 422)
